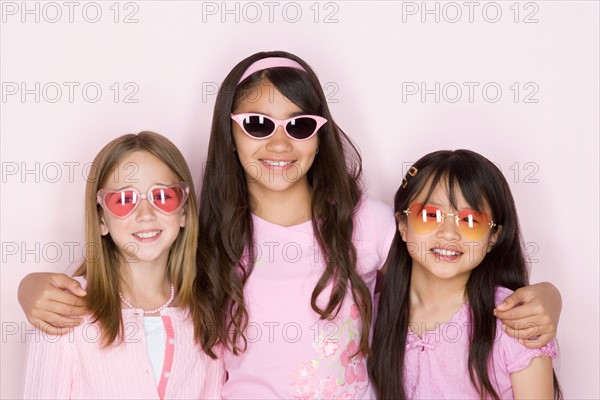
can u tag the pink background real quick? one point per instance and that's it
(371, 58)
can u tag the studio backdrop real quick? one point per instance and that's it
(516, 81)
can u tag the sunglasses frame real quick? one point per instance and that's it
(239, 118)
(101, 195)
(441, 217)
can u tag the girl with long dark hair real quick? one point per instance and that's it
(457, 254)
(289, 246)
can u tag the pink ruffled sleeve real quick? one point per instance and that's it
(513, 354)
(519, 356)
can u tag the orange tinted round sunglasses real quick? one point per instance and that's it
(471, 224)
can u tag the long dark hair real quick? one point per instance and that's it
(226, 230)
(480, 182)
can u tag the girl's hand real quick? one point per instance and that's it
(50, 301)
(536, 319)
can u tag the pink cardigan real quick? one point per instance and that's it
(76, 366)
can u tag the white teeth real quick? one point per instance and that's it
(146, 235)
(445, 252)
(277, 163)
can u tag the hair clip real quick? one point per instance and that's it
(412, 171)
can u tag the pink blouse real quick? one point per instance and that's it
(436, 365)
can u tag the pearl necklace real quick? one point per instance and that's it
(156, 310)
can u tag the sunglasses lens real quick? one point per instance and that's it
(121, 203)
(168, 199)
(301, 128)
(424, 217)
(258, 126)
(472, 224)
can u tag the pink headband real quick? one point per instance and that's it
(271, 62)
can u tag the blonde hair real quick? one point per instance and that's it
(102, 260)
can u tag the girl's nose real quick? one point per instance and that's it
(279, 142)
(448, 229)
(145, 211)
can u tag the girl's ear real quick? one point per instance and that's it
(494, 237)
(401, 223)
(183, 215)
(103, 226)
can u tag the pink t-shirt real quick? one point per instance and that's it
(436, 365)
(292, 353)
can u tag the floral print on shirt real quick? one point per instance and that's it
(334, 348)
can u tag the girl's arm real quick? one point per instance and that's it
(535, 381)
(49, 300)
(535, 320)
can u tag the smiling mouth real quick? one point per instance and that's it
(446, 252)
(147, 235)
(277, 163)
